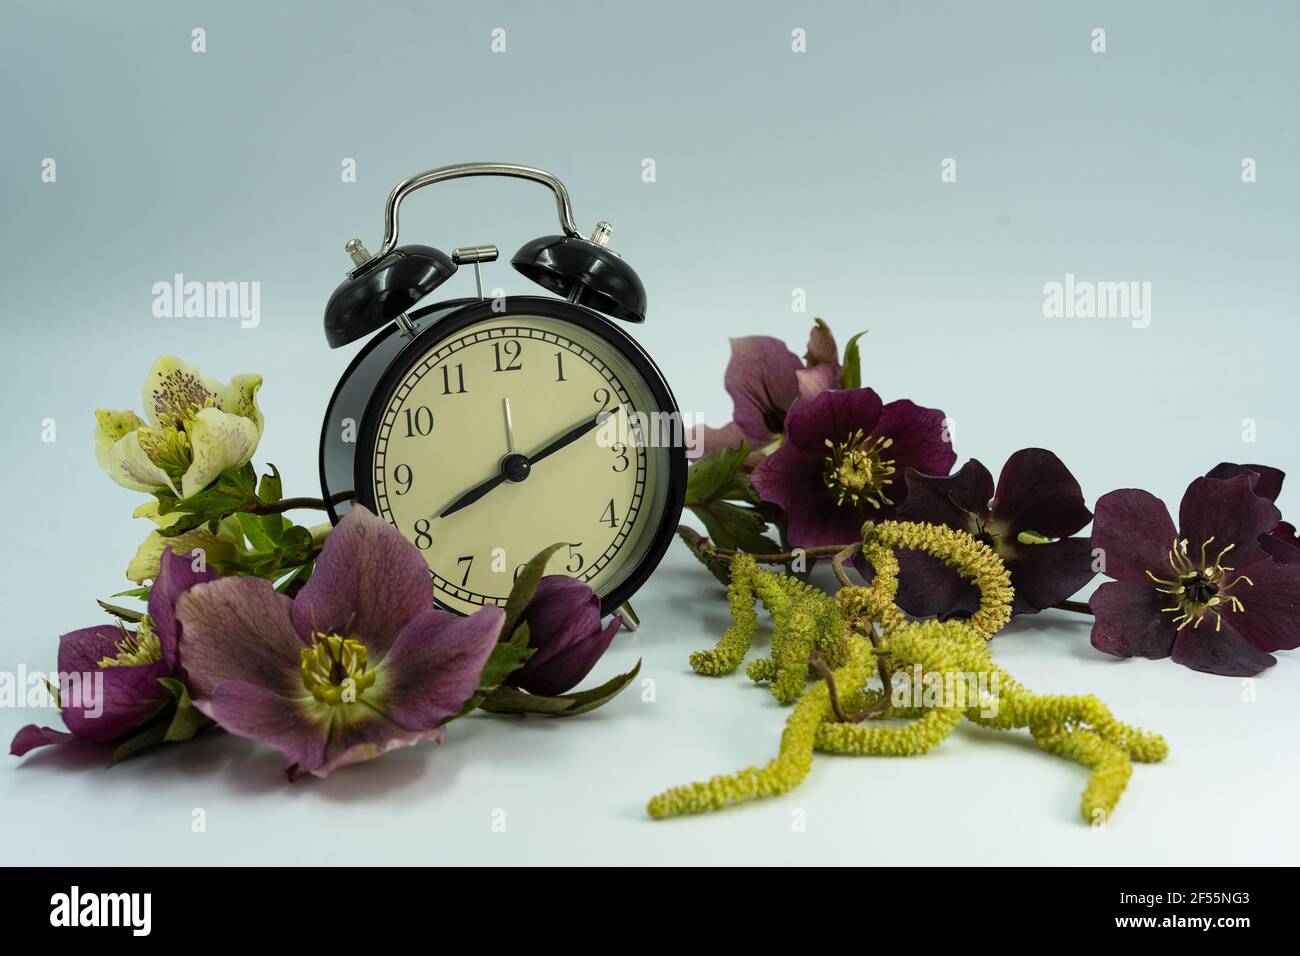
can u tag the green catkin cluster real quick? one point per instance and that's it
(861, 626)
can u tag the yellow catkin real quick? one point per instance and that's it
(735, 641)
(860, 627)
(804, 619)
(783, 774)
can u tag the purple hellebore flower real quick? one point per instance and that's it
(128, 663)
(357, 664)
(842, 461)
(765, 379)
(1207, 593)
(563, 621)
(1028, 520)
(1281, 543)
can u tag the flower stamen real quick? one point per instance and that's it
(135, 648)
(335, 669)
(169, 449)
(858, 471)
(1199, 588)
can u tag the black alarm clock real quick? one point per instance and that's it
(487, 429)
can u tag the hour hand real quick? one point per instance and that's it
(473, 495)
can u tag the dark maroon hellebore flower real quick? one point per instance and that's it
(843, 460)
(1206, 594)
(1281, 543)
(564, 629)
(1029, 520)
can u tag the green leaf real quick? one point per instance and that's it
(505, 659)
(141, 593)
(275, 526)
(146, 739)
(521, 637)
(233, 490)
(851, 376)
(522, 591)
(243, 478)
(735, 526)
(186, 720)
(511, 700)
(186, 522)
(718, 492)
(270, 489)
(295, 540)
(294, 582)
(588, 700)
(718, 477)
(255, 532)
(122, 613)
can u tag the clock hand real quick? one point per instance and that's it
(515, 467)
(510, 427)
(478, 491)
(572, 435)
(474, 494)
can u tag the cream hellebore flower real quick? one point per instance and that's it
(197, 428)
(216, 548)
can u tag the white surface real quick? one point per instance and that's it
(575, 791)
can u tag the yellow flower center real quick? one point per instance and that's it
(169, 449)
(135, 649)
(858, 471)
(1199, 587)
(335, 670)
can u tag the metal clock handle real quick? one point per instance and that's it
(460, 171)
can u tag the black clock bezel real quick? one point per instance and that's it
(457, 317)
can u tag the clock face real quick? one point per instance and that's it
(577, 460)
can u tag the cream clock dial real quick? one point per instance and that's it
(512, 434)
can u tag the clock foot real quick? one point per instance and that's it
(630, 621)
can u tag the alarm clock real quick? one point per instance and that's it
(488, 429)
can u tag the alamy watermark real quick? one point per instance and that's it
(41, 689)
(182, 299)
(964, 690)
(1085, 299)
(133, 911)
(635, 429)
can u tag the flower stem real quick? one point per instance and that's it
(291, 504)
(782, 557)
(845, 553)
(816, 662)
(1078, 607)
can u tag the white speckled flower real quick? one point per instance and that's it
(196, 428)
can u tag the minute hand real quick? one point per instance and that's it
(569, 437)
